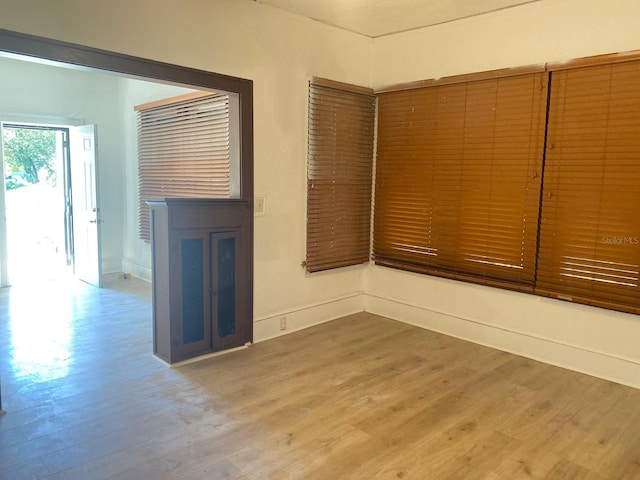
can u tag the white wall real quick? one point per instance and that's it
(279, 52)
(535, 33)
(40, 93)
(591, 340)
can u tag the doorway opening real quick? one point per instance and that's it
(20, 46)
(36, 170)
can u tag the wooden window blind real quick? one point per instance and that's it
(183, 150)
(458, 179)
(339, 176)
(590, 226)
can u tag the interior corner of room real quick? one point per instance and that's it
(288, 60)
(573, 335)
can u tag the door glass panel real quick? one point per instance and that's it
(192, 291)
(226, 286)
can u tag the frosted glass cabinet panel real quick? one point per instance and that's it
(192, 290)
(224, 273)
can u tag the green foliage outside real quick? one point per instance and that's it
(27, 151)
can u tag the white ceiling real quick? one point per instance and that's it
(375, 18)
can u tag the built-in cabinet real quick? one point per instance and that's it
(202, 276)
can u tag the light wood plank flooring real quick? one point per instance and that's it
(362, 397)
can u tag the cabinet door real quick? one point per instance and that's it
(225, 289)
(194, 327)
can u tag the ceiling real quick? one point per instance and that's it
(375, 18)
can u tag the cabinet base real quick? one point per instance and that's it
(201, 357)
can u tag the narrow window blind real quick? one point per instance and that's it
(458, 179)
(590, 225)
(339, 176)
(183, 151)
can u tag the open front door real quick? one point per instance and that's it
(87, 263)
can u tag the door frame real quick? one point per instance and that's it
(18, 45)
(37, 124)
(46, 50)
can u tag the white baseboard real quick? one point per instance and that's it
(573, 357)
(111, 265)
(200, 358)
(298, 318)
(136, 269)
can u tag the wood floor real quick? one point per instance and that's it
(361, 397)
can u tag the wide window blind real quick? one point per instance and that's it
(458, 179)
(183, 150)
(339, 176)
(590, 226)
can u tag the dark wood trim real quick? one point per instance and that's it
(591, 302)
(80, 56)
(438, 272)
(590, 61)
(347, 87)
(595, 60)
(466, 77)
(94, 58)
(47, 50)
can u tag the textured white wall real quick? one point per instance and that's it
(546, 31)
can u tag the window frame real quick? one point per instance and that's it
(550, 68)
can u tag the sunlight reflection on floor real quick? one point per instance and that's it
(41, 330)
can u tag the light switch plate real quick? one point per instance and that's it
(258, 206)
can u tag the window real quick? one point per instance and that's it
(458, 179)
(184, 150)
(590, 228)
(339, 174)
(505, 182)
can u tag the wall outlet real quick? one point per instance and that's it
(283, 323)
